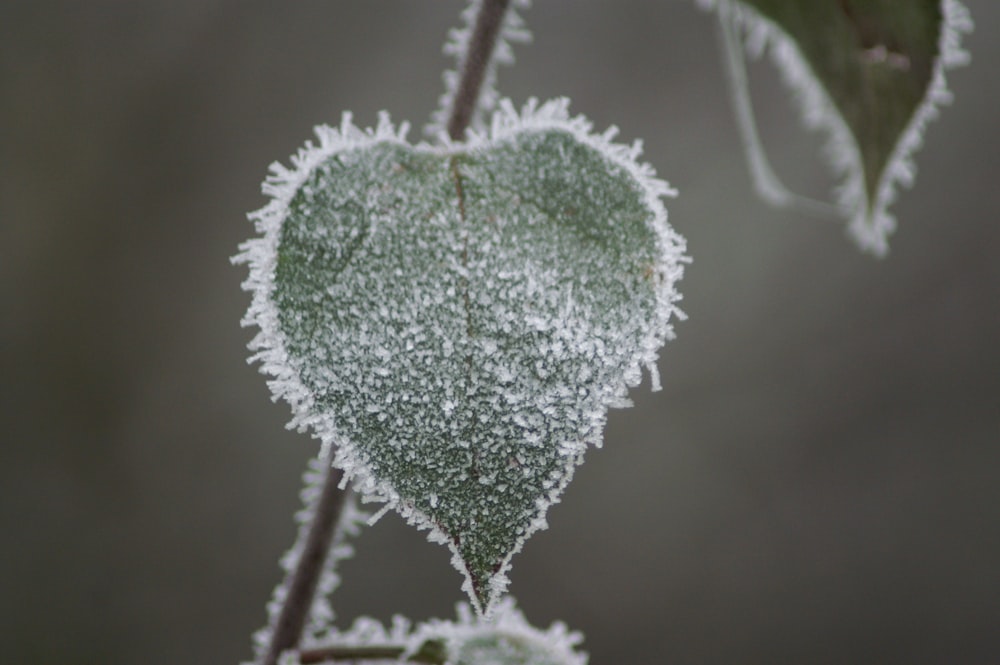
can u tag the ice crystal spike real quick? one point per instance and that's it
(457, 320)
(871, 75)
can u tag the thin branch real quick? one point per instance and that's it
(431, 653)
(326, 654)
(477, 60)
(305, 578)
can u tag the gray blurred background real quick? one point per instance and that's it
(818, 482)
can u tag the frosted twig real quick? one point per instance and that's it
(325, 654)
(477, 59)
(308, 570)
(366, 653)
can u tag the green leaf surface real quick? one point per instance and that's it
(872, 73)
(458, 320)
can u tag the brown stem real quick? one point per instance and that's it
(477, 59)
(305, 578)
(311, 656)
(431, 653)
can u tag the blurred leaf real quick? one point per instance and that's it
(872, 73)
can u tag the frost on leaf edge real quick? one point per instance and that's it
(554, 115)
(268, 345)
(869, 224)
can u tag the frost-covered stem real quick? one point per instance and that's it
(477, 59)
(302, 588)
(326, 654)
(364, 653)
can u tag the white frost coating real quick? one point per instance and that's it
(555, 646)
(261, 256)
(554, 114)
(870, 222)
(269, 345)
(321, 614)
(366, 631)
(513, 31)
(505, 633)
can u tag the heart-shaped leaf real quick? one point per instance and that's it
(457, 320)
(869, 72)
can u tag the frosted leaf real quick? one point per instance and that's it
(871, 74)
(457, 320)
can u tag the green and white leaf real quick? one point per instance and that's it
(457, 320)
(871, 73)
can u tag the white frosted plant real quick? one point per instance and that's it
(454, 319)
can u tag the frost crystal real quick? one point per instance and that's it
(871, 147)
(457, 320)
